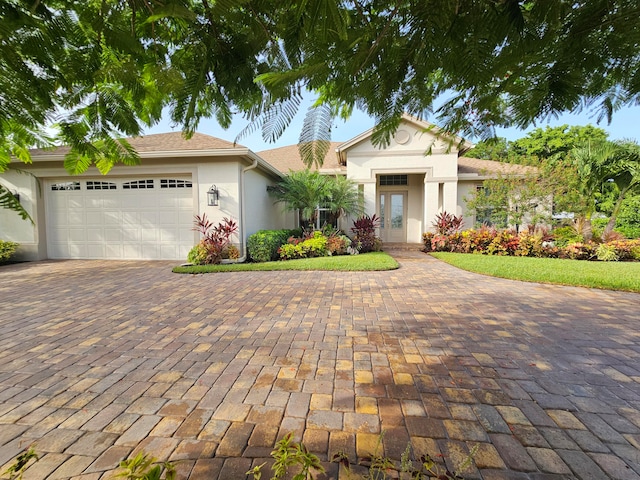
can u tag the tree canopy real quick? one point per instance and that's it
(586, 174)
(100, 70)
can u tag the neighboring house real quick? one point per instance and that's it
(147, 211)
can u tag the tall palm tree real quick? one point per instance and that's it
(593, 162)
(625, 173)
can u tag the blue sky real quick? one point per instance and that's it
(625, 125)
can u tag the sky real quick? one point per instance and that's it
(625, 125)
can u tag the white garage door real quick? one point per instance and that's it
(128, 219)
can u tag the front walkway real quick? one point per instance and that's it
(101, 359)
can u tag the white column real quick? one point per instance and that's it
(370, 198)
(430, 204)
(450, 197)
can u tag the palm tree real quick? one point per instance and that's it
(625, 173)
(302, 191)
(593, 162)
(343, 199)
(306, 191)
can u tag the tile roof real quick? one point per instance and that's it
(288, 158)
(160, 142)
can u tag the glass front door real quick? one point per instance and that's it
(393, 224)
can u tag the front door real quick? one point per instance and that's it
(393, 216)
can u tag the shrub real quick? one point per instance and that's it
(529, 246)
(504, 243)
(7, 249)
(579, 251)
(364, 234)
(624, 249)
(338, 244)
(427, 238)
(315, 246)
(478, 241)
(447, 223)
(607, 253)
(198, 254)
(263, 245)
(216, 239)
(563, 236)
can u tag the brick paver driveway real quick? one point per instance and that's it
(100, 359)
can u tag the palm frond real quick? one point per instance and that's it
(10, 202)
(315, 137)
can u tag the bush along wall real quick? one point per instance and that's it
(532, 242)
(7, 249)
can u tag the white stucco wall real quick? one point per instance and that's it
(466, 189)
(12, 226)
(260, 210)
(432, 177)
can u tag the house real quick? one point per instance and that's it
(147, 211)
(420, 174)
(139, 212)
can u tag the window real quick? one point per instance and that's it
(485, 212)
(91, 185)
(137, 184)
(324, 217)
(65, 186)
(171, 183)
(393, 180)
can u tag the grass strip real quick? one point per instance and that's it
(373, 261)
(623, 276)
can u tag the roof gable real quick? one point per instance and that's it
(430, 136)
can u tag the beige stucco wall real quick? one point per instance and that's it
(466, 189)
(12, 226)
(260, 210)
(432, 177)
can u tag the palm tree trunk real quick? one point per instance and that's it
(614, 215)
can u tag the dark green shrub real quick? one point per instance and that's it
(7, 249)
(263, 245)
(563, 236)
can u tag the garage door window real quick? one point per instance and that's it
(65, 186)
(172, 183)
(137, 184)
(100, 185)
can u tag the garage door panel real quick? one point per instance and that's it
(75, 201)
(96, 219)
(113, 251)
(96, 251)
(95, 235)
(77, 235)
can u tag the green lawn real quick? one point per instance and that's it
(347, 263)
(607, 275)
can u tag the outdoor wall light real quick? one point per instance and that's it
(213, 196)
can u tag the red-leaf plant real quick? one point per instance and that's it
(215, 238)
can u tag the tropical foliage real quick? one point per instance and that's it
(216, 240)
(585, 174)
(101, 70)
(7, 249)
(530, 242)
(307, 191)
